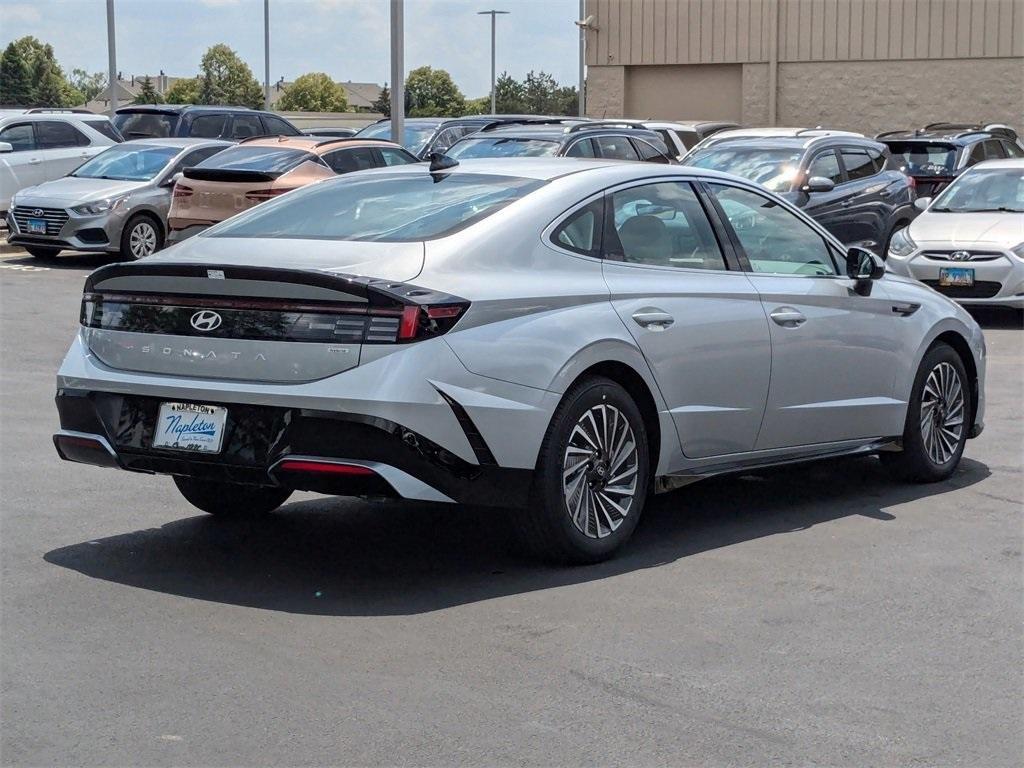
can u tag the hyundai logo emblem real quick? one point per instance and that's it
(37, 212)
(206, 320)
(960, 255)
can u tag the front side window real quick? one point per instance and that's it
(581, 232)
(127, 162)
(145, 125)
(775, 169)
(386, 208)
(859, 164)
(984, 190)
(20, 137)
(826, 165)
(663, 225)
(51, 134)
(774, 239)
(253, 158)
(208, 126)
(246, 126)
(499, 146)
(616, 148)
(348, 160)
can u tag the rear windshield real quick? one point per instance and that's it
(127, 162)
(267, 159)
(919, 158)
(104, 127)
(984, 189)
(775, 169)
(145, 125)
(503, 147)
(414, 136)
(392, 208)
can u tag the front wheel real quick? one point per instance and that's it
(140, 237)
(592, 476)
(938, 419)
(230, 499)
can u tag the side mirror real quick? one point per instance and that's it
(171, 180)
(819, 184)
(5, 147)
(922, 202)
(862, 264)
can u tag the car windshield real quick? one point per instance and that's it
(919, 158)
(267, 159)
(391, 208)
(414, 136)
(497, 146)
(145, 125)
(984, 189)
(127, 162)
(775, 169)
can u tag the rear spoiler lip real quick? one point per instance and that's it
(226, 174)
(375, 290)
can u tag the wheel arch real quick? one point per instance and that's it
(963, 351)
(151, 214)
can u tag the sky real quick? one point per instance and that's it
(347, 39)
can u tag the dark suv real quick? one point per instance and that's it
(939, 152)
(564, 137)
(843, 180)
(426, 135)
(199, 122)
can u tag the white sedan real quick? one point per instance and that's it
(969, 242)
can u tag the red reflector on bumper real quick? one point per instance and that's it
(326, 468)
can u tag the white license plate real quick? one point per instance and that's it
(36, 227)
(951, 277)
(190, 427)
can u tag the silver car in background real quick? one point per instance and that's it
(559, 336)
(115, 202)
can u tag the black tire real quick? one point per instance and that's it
(145, 226)
(41, 251)
(915, 463)
(546, 527)
(231, 499)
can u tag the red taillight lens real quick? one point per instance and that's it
(326, 468)
(260, 195)
(423, 322)
(180, 190)
(409, 324)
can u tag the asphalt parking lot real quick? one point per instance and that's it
(818, 615)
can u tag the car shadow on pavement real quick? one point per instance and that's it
(67, 260)
(345, 557)
(996, 317)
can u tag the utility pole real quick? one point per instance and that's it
(494, 15)
(398, 71)
(583, 59)
(266, 54)
(111, 59)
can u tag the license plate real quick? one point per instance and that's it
(36, 227)
(190, 427)
(956, 276)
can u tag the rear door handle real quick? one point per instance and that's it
(788, 317)
(35, 161)
(655, 319)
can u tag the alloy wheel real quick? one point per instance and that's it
(142, 240)
(942, 413)
(599, 471)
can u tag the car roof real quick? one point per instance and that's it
(1012, 163)
(721, 140)
(315, 144)
(21, 115)
(182, 143)
(686, 125)
(951, 133)
(561, 131)
(177, 109)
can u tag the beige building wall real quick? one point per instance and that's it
(860, 64)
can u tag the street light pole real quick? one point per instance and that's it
(266, 54)
(583, 59)
(494, 15)
(398, 71)
(111, 59)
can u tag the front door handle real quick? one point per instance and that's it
(35, 161)
(788, 317)
(655, 319)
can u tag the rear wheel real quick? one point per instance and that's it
(592, 476)
(42, 251)
(141, 237)
(231, 499)
(938, 419)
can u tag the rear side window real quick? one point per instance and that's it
(145, 125)
(581, 232)
(348, 160)
(859, 164)
(51, 134)
(977, 154)
(20, 137)
(267, 159)
(649, 152)
(616, 148)
(105, 128)
(392, 156)
(877, 160)
(208, 126)
(994, 150)
(245, 126)
(584, 148)
(196, 157)
(275, 126)
(1012, 150)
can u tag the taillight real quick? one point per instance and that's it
(180, 190)
(913, 183)
(261, 195)
(424, 322)
(314, 466)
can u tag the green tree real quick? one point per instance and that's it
(382, 103)
(481, 106)
(226, 79)
(184, 91)
(89, 85)
(313, 92)
(148, 94)
(432, 93)
(50, 86)
(539, 90)
(15, 79)
(509, 96)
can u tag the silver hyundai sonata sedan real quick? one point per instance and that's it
(564, 337)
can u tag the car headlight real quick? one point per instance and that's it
(901, 245)
(100, 206)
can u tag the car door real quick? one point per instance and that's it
(694, 315)
(828, 208)
(834, 342)
(868, 206)
(62, 148)
(23, 166)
